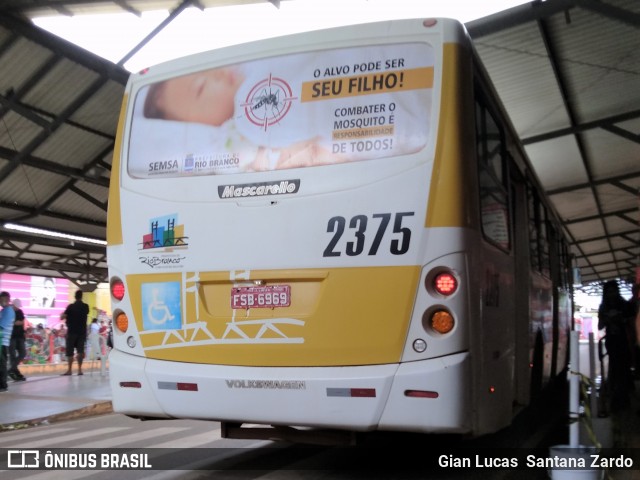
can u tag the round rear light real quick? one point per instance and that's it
(117, 289)
(442, 321)
(445, 283)
(419, 345)
(121, 321)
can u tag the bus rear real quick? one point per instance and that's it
(289, 238)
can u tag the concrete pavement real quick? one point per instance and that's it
(47, 395)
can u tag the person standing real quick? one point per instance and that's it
(76, 315)
(7, 317)
(95, 352)
(614, 315)
(17, 350)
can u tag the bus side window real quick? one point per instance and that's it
(494, 199)
(532, 207)
(560, 261)
(545, 240)
(565, 263)
(538, 234)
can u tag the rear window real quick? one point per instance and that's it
(292, 111)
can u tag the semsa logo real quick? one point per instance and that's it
(279, 187)
(163, 167)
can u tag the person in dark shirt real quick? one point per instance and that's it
(614, 316)
(7, 316)
(76, 315)
(17, 350)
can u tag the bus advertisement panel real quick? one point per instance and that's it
(313, 108)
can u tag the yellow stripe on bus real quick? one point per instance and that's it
(344, 316)
(450, 180)
(114, 220)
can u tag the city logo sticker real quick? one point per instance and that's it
(161, 243)
(164, 233)
(161, 308)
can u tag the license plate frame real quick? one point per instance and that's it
(260, 296)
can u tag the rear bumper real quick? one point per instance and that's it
(350, 398)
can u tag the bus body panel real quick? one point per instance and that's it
(357, 398)
(139, 398)
(317, 329)
(448, 406)
(352, 249)
(345, 309)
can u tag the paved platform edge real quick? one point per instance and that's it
(55, 368)
(100, 408)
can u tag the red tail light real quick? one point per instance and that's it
(421, 394)
(117, 289)
(445, 284)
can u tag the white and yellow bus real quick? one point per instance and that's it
(335, 229)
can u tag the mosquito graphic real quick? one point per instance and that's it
(269, 99)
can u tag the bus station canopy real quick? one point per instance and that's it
(567, 71)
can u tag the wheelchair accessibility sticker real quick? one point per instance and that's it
(161, 306)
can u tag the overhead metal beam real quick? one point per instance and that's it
(65, 49)
(93, 88)
(610, 11)
(538, 10)
(603, 275)
(602, 237)
(72, 123)
(23, 111)
(567, 101)
(8, 42)
(28, 85)
(53, 167)
(127, 8)
(604, 181)
(519, 15)
(599, 216)
(30, 212)
(89, 198)
(582, 127)
(621, 132)
(606, 252)
(99, 273)
(172, 16)
(30, 238)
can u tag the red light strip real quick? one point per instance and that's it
(130, 384)
(421, 394)
(189, 387)
(351, 392)
(182, 386)
(363, 392)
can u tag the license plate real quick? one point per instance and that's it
(268, 296)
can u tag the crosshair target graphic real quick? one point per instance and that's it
(268, 102)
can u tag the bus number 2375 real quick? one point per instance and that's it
(358, 234)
